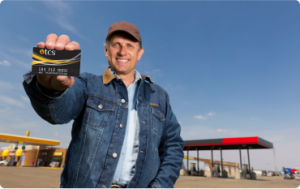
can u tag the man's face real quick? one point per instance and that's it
(122, 53)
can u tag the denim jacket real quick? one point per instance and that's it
(98, 105)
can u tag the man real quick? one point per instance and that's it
(124, 132)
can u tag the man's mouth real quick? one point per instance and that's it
(122, 60)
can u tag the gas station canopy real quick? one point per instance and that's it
(27, 140)
(227, 144)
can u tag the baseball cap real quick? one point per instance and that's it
(126, 27)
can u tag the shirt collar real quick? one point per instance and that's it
(109, 75)
(137, 75)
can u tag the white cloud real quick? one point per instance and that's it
(64, 12)
(211, 114)
(200, 117)
(205, 117)
(62, 7)
(15, 60)
(65, 25)
(205, 132)
(25, 98)
(11, 101)
(221, 130)
(24, 39)
(6, 85)
(5, 63)
(13, 56)
(7, 110)
(25, 52)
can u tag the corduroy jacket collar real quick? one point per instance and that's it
(108, 76)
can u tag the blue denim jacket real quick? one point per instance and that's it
(98, 105)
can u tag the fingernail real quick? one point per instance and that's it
(50, 43)
(59, 44)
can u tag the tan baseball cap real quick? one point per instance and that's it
(126, 27)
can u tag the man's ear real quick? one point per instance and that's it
(140, 53)
(106, 51)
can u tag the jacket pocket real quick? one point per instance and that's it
(158, 113)
(158, 122)
(99, 110)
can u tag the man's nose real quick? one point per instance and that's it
(122, 51)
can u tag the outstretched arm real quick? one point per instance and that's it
(60, 107)
(57, 99)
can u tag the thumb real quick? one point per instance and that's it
(65, 81)
(62, 79)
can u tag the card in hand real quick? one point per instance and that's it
(56, 62)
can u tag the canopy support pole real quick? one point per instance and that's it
(212, 161)
(198, 161)
(249, 160)
(188, 162)
(221, 162)
(241, 165)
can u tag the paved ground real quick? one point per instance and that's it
(32, 177)
(215, 182)
(29, 177)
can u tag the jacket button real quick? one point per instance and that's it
(121, 125)
(100, 106)
(123, 101)
(117, 181)
(114, 155)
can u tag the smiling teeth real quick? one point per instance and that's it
(122, 60)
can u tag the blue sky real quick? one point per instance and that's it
(231, 68)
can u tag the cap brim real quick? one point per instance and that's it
(113, 32)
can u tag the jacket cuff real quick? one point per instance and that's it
(31, 79)
(48, 93)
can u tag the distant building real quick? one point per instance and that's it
(206, 165)
(34, 156)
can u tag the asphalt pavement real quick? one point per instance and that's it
(33, 177)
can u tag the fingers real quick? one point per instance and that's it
(56, 83)
(41, 45)
(44, 80)
(61, 42)
(65, 81)
(51, 40)
(72, 46)
(62, 79)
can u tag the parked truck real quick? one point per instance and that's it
(293, 173)
(298, 173)
(287, 173)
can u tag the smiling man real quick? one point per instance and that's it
(124, 132)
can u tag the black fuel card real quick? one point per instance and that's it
(56, 62)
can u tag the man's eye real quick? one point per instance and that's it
(116, 44)
(130, 46)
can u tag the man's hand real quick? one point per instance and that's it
(53, 82)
